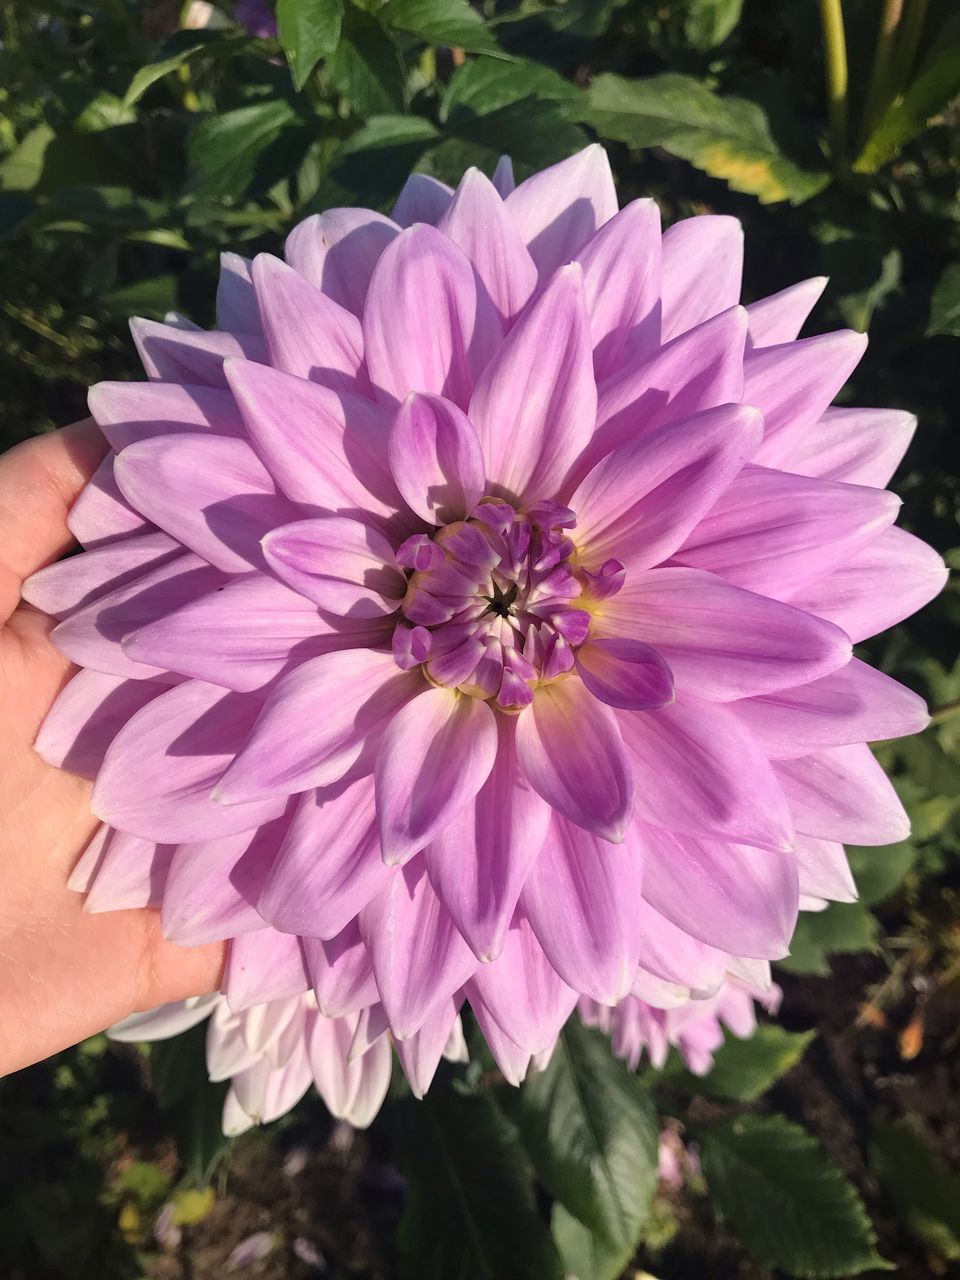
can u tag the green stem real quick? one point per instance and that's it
(911, 31)
(878, 91)
(835, 57)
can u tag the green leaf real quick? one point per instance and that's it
(223, 150)
(791, 1206)
(441, 22)
(843, 927)
(727, 137)
(193, 1105)
(308, 30)
(709, 22)
(591, 1131)
(745, 1069)
(945, 304)
(185, 46)
(152, 297)
(21, 170)
(926, 1194)
(879, 871)
(366, 66)
(522, 106)
(371, 166)
(586, 1256)
(933, 90)
(470, 1209)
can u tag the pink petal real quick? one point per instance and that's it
(478, 863)
(673, 955)
(80, 580)
(503, 178)
(735, 897)
(773, 532)
(92, 636)
(721, 642)
(571, 752)
(511, 1058)
(130, 874)
(436, 459)
(164, 1022)
(86, 717)
(212, 885)
(241, 635)
(824, 870)
(843, 794)
(435, 756)
(641, 502)
(625, 673)
(535, 404)
(329, 865)
(336, 251)
(699, 370)
(702, 271)
(352, 1091)
(418, 956)
(428, 325)
(420, 1054)
(209, 492)
(263, 966)
(892, 578)
(859, 446)
(522, 991)
(171, 354)
(341, 972)
(558, 209)
(793, 383)
(130, 411)
(854, 704)
(344, 566)
(581, 900)
(307, 333)
(101, 513)
(325, 449)
(479, 224)
(293, 748)
(423, 199)
(237, 308)
(699, 772)
(778, 318)
(159, 772)
(621, 281)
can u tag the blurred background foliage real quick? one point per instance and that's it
(137, 141)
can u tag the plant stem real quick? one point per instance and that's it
(878, 91)
(835, 58)
(911, 30)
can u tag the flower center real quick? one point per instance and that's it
(493, 603)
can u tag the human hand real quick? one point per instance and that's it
(64, 974)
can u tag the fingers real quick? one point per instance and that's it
(39, 482)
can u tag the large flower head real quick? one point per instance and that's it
(470, 615)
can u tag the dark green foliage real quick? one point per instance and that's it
(791, 1207)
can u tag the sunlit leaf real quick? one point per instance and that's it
(308, 30)
(727, 137)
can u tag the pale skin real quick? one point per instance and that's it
(64, 974)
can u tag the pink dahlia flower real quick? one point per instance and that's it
(272, 1053)
(470, 615)
(692, 1026)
